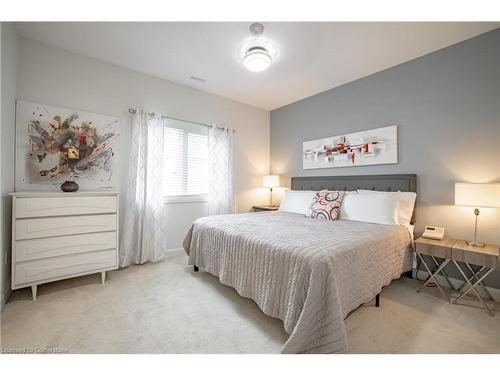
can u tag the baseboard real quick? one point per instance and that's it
(456, 283)
(176, 251)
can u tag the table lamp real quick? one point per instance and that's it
(271, 182)
(477, 195)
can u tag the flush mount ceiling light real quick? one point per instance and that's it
(256, 52)
(257, 59)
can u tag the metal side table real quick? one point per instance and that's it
(435, 249)
(484, 257)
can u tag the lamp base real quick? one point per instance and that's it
(475, 244)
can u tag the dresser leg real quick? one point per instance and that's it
(33, 291)
(103, 277)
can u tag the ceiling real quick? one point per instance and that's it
(310, 57)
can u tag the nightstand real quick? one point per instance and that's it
(456, 251)
(435, 249)
(265, 208)
(484, 257)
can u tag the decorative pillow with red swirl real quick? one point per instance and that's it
(326, 205)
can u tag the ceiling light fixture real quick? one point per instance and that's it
(256, 55)
(257, 59)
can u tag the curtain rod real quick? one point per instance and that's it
(133, 110)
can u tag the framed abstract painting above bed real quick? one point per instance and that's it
(55, 144)
(368, 147)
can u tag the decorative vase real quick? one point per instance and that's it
(69, 186)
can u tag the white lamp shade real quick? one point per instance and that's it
(271, 181)
(477, 195)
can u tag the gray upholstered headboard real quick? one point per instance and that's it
(380, 182)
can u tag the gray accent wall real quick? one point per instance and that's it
(447, 108)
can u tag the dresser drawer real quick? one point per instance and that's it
(40, 248)
(62, 206)
(53, 268)
(62, 226)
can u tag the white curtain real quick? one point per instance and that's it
(143, 231)
(220, 171)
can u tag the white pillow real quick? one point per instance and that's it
(406, 203)
(370, 208)
(343, 214)
(297, 201)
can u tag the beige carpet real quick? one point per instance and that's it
(167, 308)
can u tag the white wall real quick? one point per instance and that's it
(8, 100)
(54, 76)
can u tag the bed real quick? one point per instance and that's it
(309, 273)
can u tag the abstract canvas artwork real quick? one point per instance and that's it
(375, 146)
(56, 144)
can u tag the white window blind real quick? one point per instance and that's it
(185, 152)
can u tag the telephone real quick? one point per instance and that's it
(434, 233)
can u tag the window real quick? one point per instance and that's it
(186, 166)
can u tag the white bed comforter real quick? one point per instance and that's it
(307, 272)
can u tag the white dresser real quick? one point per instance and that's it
(56, 236)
